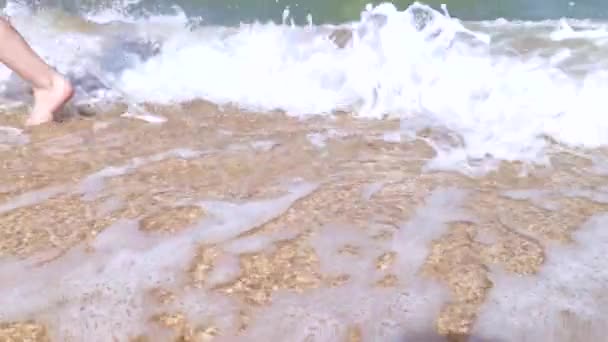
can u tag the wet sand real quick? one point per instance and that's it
(223, 225)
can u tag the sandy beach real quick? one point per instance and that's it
(226, 226)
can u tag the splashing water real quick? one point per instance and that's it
(502, 88)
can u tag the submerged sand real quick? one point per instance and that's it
(223, 225)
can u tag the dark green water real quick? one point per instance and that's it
(324, 11)
(229, 12)
(332, 11)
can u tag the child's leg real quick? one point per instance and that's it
(51, 90)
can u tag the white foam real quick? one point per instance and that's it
(264, 145)
(229, 220)
(566, 32)
(495, 102)
(109, 206)
(92, 184)
(392, 137)
(371, 189)
(598, 194)
(326, 314)
(416, 63)
(225, 269)
(101, 295)
(147, 117)
(537, 197)
(359, 266)
(31, 198)
(405, 312)
(93, 296)
(317, 139)
(565, 302)
(12, 136)
(428, 223)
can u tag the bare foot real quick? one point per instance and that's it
(48, 100)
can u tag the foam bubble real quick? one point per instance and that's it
(89, 296)
(317, 139)
(147, 117)
(264, 145)
(225, 269)
(566, 32)
(392, 137)
(100, 295)
(428, 224)
(565, 301)
(358, 264)
(391, 67)
(11, 136)
(327, 314)
(229, 220)
(406, 311)
(371, 189)
(499, 94)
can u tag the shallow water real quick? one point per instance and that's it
(335, 11)
(347, 240)
(496, 89)
(402, 175)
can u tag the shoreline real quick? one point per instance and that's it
(268, 216)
